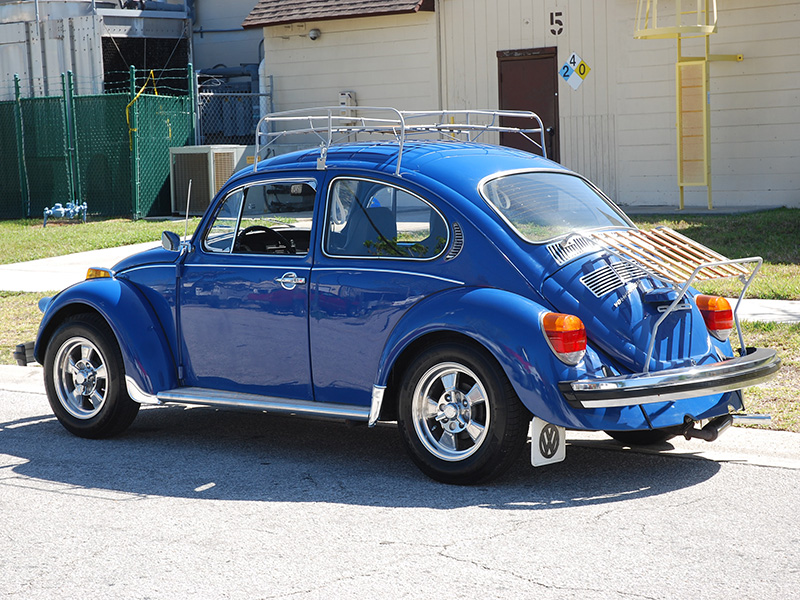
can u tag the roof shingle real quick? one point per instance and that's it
(277, 12)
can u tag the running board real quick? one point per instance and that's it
(270, 404)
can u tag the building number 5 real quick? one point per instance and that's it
(556, 23)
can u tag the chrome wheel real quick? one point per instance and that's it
(450, 411)
(80, 378)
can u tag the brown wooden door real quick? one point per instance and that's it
(529, 81)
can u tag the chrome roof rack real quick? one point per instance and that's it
(333, 125)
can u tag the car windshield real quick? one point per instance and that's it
(543, 205)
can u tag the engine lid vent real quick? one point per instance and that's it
(609, 277)
(570, 247)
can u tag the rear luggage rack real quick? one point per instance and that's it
(670, 255)
(680, 261)
(333, 125)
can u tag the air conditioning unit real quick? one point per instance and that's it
(208, 168)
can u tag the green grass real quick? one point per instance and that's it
(779, 397)
(773, 235)
(27, 240)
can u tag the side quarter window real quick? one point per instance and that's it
(372, 219)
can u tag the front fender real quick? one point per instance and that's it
(508, 326)
(149, 362)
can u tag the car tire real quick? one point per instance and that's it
(459, 416)
(84, 377)
(647, 437)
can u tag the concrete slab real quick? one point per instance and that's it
(769, 311)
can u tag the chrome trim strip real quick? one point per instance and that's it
(377, 401)
(271, 404)
(250, 266)
(673, 384)
(345, 269)
(151, 266)
(136, 393)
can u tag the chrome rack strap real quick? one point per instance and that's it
(685, 287)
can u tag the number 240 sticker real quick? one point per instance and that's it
(574, 71)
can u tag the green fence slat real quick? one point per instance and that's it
(11, 201)
(46, 154)
(163, 122)
(102, 141)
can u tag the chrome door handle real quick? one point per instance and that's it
(290, 280)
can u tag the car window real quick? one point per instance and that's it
(265, 218)
(544, 205)
(367, 218)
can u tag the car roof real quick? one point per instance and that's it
(458, 165)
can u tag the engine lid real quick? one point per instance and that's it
(619, 302)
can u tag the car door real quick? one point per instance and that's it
(244, 292)
(382, 253)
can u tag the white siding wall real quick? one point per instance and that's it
(755, 111)
(230, 48)
(618, 128)
(474, 30)
(386, 61)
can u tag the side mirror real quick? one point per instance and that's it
(170, 241)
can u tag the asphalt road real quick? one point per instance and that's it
(198, 503)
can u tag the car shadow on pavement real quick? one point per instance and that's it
(226, 455)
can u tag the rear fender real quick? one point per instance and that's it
(149, 362)
(508, 326)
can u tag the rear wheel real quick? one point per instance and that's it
(647, 437)
(459, 417)
(84, 378)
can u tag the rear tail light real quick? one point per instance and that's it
(717, 314)
(566, 336)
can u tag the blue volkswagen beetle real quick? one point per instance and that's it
(475, 294)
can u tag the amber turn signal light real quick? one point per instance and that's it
(95, 273)
(566, 336)
(717, 314)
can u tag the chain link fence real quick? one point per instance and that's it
(12, 205)
(163, 122)
(230, 118)
(110, 151)
(46, 152)
(104, 154)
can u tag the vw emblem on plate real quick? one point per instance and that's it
(548, 441)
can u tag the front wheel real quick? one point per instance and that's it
(84, 378)
(458, 415)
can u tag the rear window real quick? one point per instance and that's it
(542, 206)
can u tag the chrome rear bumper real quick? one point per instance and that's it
(758, 366)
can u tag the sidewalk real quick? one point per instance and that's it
(50, 274)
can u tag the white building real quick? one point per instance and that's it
(617, 126)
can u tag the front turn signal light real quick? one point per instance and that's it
(717, 314)
(96, 273)
(566, 336)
